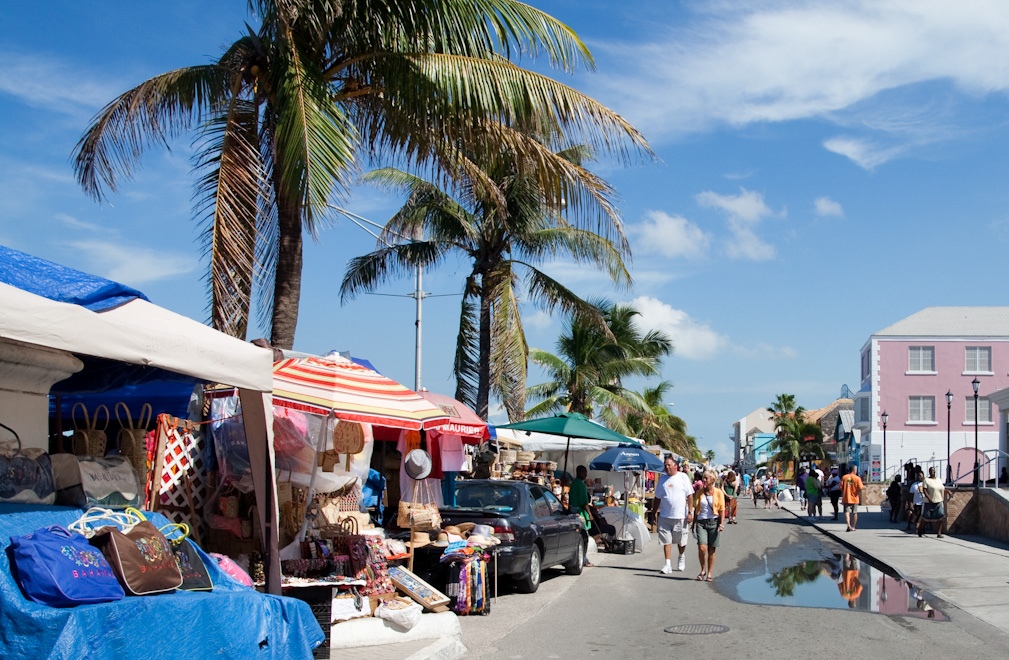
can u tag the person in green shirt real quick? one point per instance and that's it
(578, 498)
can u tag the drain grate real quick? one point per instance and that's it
(697, 629)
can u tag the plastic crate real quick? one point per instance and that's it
(622, 546)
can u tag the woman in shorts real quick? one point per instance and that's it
(708, 523)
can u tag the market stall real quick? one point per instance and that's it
(58, 322)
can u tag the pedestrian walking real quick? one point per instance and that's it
(800, 484)
(757, 489)
(833, 487)
(709, 521)
(851, 493)
(772, 491)
(730, 486)
(893, 497)
(673, 493)
(814, 494)
(746, 484)
(917, 501)
(934, 494)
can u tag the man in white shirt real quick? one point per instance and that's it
(672, 499)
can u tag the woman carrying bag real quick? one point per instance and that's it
(708, 523)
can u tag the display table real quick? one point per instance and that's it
(232, 621)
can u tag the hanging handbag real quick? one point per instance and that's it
(139, 553)
(56, 567)
(26, 475)
(195, 576)
(89, 440)
(90, 481)
(419, 515)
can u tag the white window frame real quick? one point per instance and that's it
(916, 412)
(915, 362)
(972, 362)
(983, 411)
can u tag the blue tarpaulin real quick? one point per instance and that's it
(55, 282)
(232, 621)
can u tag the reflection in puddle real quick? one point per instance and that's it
(841, 582)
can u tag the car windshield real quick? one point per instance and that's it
(499, 497)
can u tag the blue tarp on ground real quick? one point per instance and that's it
(55, 282)
(232, 621)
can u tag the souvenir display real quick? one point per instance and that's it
(59, 568)
(89, 440)
(418, 589)
(132, 436)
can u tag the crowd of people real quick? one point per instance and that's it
(922, 501)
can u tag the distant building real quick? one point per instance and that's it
(828, 419)
(907, 370)
(747, 447)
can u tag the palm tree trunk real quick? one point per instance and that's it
(287, 281)
(483, 379)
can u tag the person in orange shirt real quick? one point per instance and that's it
(851, 493)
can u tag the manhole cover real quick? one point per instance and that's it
(697, 629)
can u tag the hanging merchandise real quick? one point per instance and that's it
(131, 437)
(178, 477)
(59, 568)
(348, 439)
(26, 475)
(89, 481)
(89, 440)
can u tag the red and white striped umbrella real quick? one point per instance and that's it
(352, 392)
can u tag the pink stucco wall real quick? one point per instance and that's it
(896, 384)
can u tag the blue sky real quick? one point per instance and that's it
(824, 170)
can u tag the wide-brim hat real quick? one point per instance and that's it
(419, 540)
(465, 528)
(417, 464)
(483, 541)
(442, 540)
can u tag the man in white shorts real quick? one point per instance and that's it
(673, 493)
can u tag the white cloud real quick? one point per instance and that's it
(670, 236)
(864, 153)
(691, 340)
(745, 210)
(133, 264)
(45, 82)
(827, 207)
(71, 221)
(777, 60)
(538, 320)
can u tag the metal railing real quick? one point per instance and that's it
(995, 455)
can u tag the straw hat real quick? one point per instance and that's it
(417, 464)
(465, 528)
(442, 541)
(420, 539)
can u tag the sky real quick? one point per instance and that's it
(822, 170)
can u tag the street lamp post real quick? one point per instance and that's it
(977, 463)
(949, 466)
(884, 417)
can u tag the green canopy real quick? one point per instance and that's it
(571, 425)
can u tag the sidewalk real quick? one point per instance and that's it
(969, 572)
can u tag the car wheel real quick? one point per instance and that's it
(577, 563)
(530, 582)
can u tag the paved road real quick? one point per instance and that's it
(620, 608)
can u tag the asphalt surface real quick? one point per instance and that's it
(621, 607)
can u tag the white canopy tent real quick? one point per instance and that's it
(139, 332)
(533, 441)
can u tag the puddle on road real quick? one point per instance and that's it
(843, 581)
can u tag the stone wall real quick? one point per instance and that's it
(986, 515)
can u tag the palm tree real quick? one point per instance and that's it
(654, 424)
(503, 222)
(587, 373)
(285, 116)
(709, 456)
(797, 440)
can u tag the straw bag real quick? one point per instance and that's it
(132, 442)
(419, 515)
(89, 440)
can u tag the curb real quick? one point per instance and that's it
(359, 633)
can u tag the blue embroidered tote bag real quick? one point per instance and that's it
(60, 568)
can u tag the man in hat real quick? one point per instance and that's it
(672, 501)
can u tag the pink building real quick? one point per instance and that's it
(907, 371)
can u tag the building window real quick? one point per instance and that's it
(983, 411)
(921, 409)
(978, 359)
(921, 358)
(865, 365)
(862, 409)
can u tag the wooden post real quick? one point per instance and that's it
(413, 531)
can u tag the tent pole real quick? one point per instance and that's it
(567, 450)
(623, 526)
